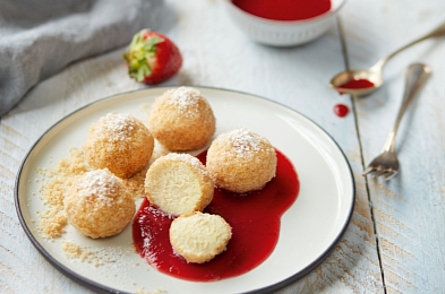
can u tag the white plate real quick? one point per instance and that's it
(310, 228)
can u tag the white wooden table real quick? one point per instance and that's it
(395, 241)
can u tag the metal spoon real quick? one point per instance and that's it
(374, 74)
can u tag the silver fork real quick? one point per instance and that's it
(386, 164)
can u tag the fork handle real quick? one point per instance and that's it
(415, 76)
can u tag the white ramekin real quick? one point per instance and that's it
(283, 33)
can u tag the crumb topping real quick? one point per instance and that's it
(53, 222)
(115, 126)
(52, 192)
(95, 256)
(58, 180)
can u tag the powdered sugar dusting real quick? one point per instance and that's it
(116, 126)
(99, 183)
(184, 98)
(244, 141)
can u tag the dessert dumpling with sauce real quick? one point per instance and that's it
(119, 142)
(178, 183)
(97, 204)
(182, 119)
(241, 161)
(198, 237)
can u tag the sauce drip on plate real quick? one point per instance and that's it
(254, 217)
(284, 9)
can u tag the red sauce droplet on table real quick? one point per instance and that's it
(341, 110)
(254, 217)
(284, 9)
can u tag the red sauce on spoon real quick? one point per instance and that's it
(284, 9)
(357, 84)
(254, 217)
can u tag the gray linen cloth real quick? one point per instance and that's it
(40, 37)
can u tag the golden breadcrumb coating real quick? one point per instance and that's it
(97, 205)
(241, 161)
(199, 237)
(178, 183)
(119, 142)
(182, 119)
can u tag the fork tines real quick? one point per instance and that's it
(378, 172)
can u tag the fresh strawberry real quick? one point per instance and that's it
(152, 57)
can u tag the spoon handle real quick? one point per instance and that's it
(415, 76)
(437, 32)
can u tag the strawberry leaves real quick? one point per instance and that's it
(141, 54)
(152, 57)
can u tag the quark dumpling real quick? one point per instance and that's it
(119, 142)
(178, 183)
(182, 119)
(97, 204)
(199, 237)
(241, 161)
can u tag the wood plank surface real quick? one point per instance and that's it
(395, 240)
(409, 210)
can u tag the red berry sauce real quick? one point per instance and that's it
(254, 217)
(284, 9)
(341, 110)
(358, 84)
